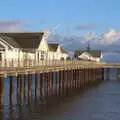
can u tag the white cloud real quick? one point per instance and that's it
(10, 26)
(109, 37)
(107, 42)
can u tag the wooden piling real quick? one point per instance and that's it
(63, 82)
(52, 81)
(21, 90)
(36, 85)
(57, 84)
(11, 90)
(18, 84)
(41, 84)
(29, 88)
(46, 83)
(18, 89)
(78, 78)
(1, 90)
(102, 73)
(75, 78)
(25, 86)
(49, 83)
(60, 85)
(66, 82)
(69, 77)
(72, 79)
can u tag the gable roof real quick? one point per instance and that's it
(63, 50)
(25, 40)
(94, 53)
(53, 47)
(10, 41)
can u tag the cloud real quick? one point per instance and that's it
(10, 26)
(109, 37)
(108, 41)
(85, 27)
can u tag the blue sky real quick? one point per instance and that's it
(98, 15)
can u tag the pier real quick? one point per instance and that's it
(50, 79)
(29, 83)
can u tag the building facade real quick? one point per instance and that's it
(20, 48)
(92, 55)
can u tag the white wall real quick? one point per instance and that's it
(43, 44)
(10, 54)
(87, 56)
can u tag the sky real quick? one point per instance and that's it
(74, 16)
(79, 20)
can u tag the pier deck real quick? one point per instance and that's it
(66, 65)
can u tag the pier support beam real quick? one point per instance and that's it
(118, 73)
(41, 84)
(63, 82)
(107, 74)
(72, 78)
(66, 82)
(25, 86)
(79, 78)
(21, 90)
(59, 83)
(46, 84)
(49, 83)
(29, 88)
(37, 85)
(11, 91)
(1, 90)
(102, 74)
(52, 81)
(18, 89)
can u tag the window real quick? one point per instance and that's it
(42, 55)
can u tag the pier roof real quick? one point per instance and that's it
(53, 46)
(24, 40)
(10, 41)
(63, 50)
(94, 53)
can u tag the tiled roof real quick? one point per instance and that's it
(94, 53)
(53, 47)
(26, 40)
(63, 50)
(10, 41)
